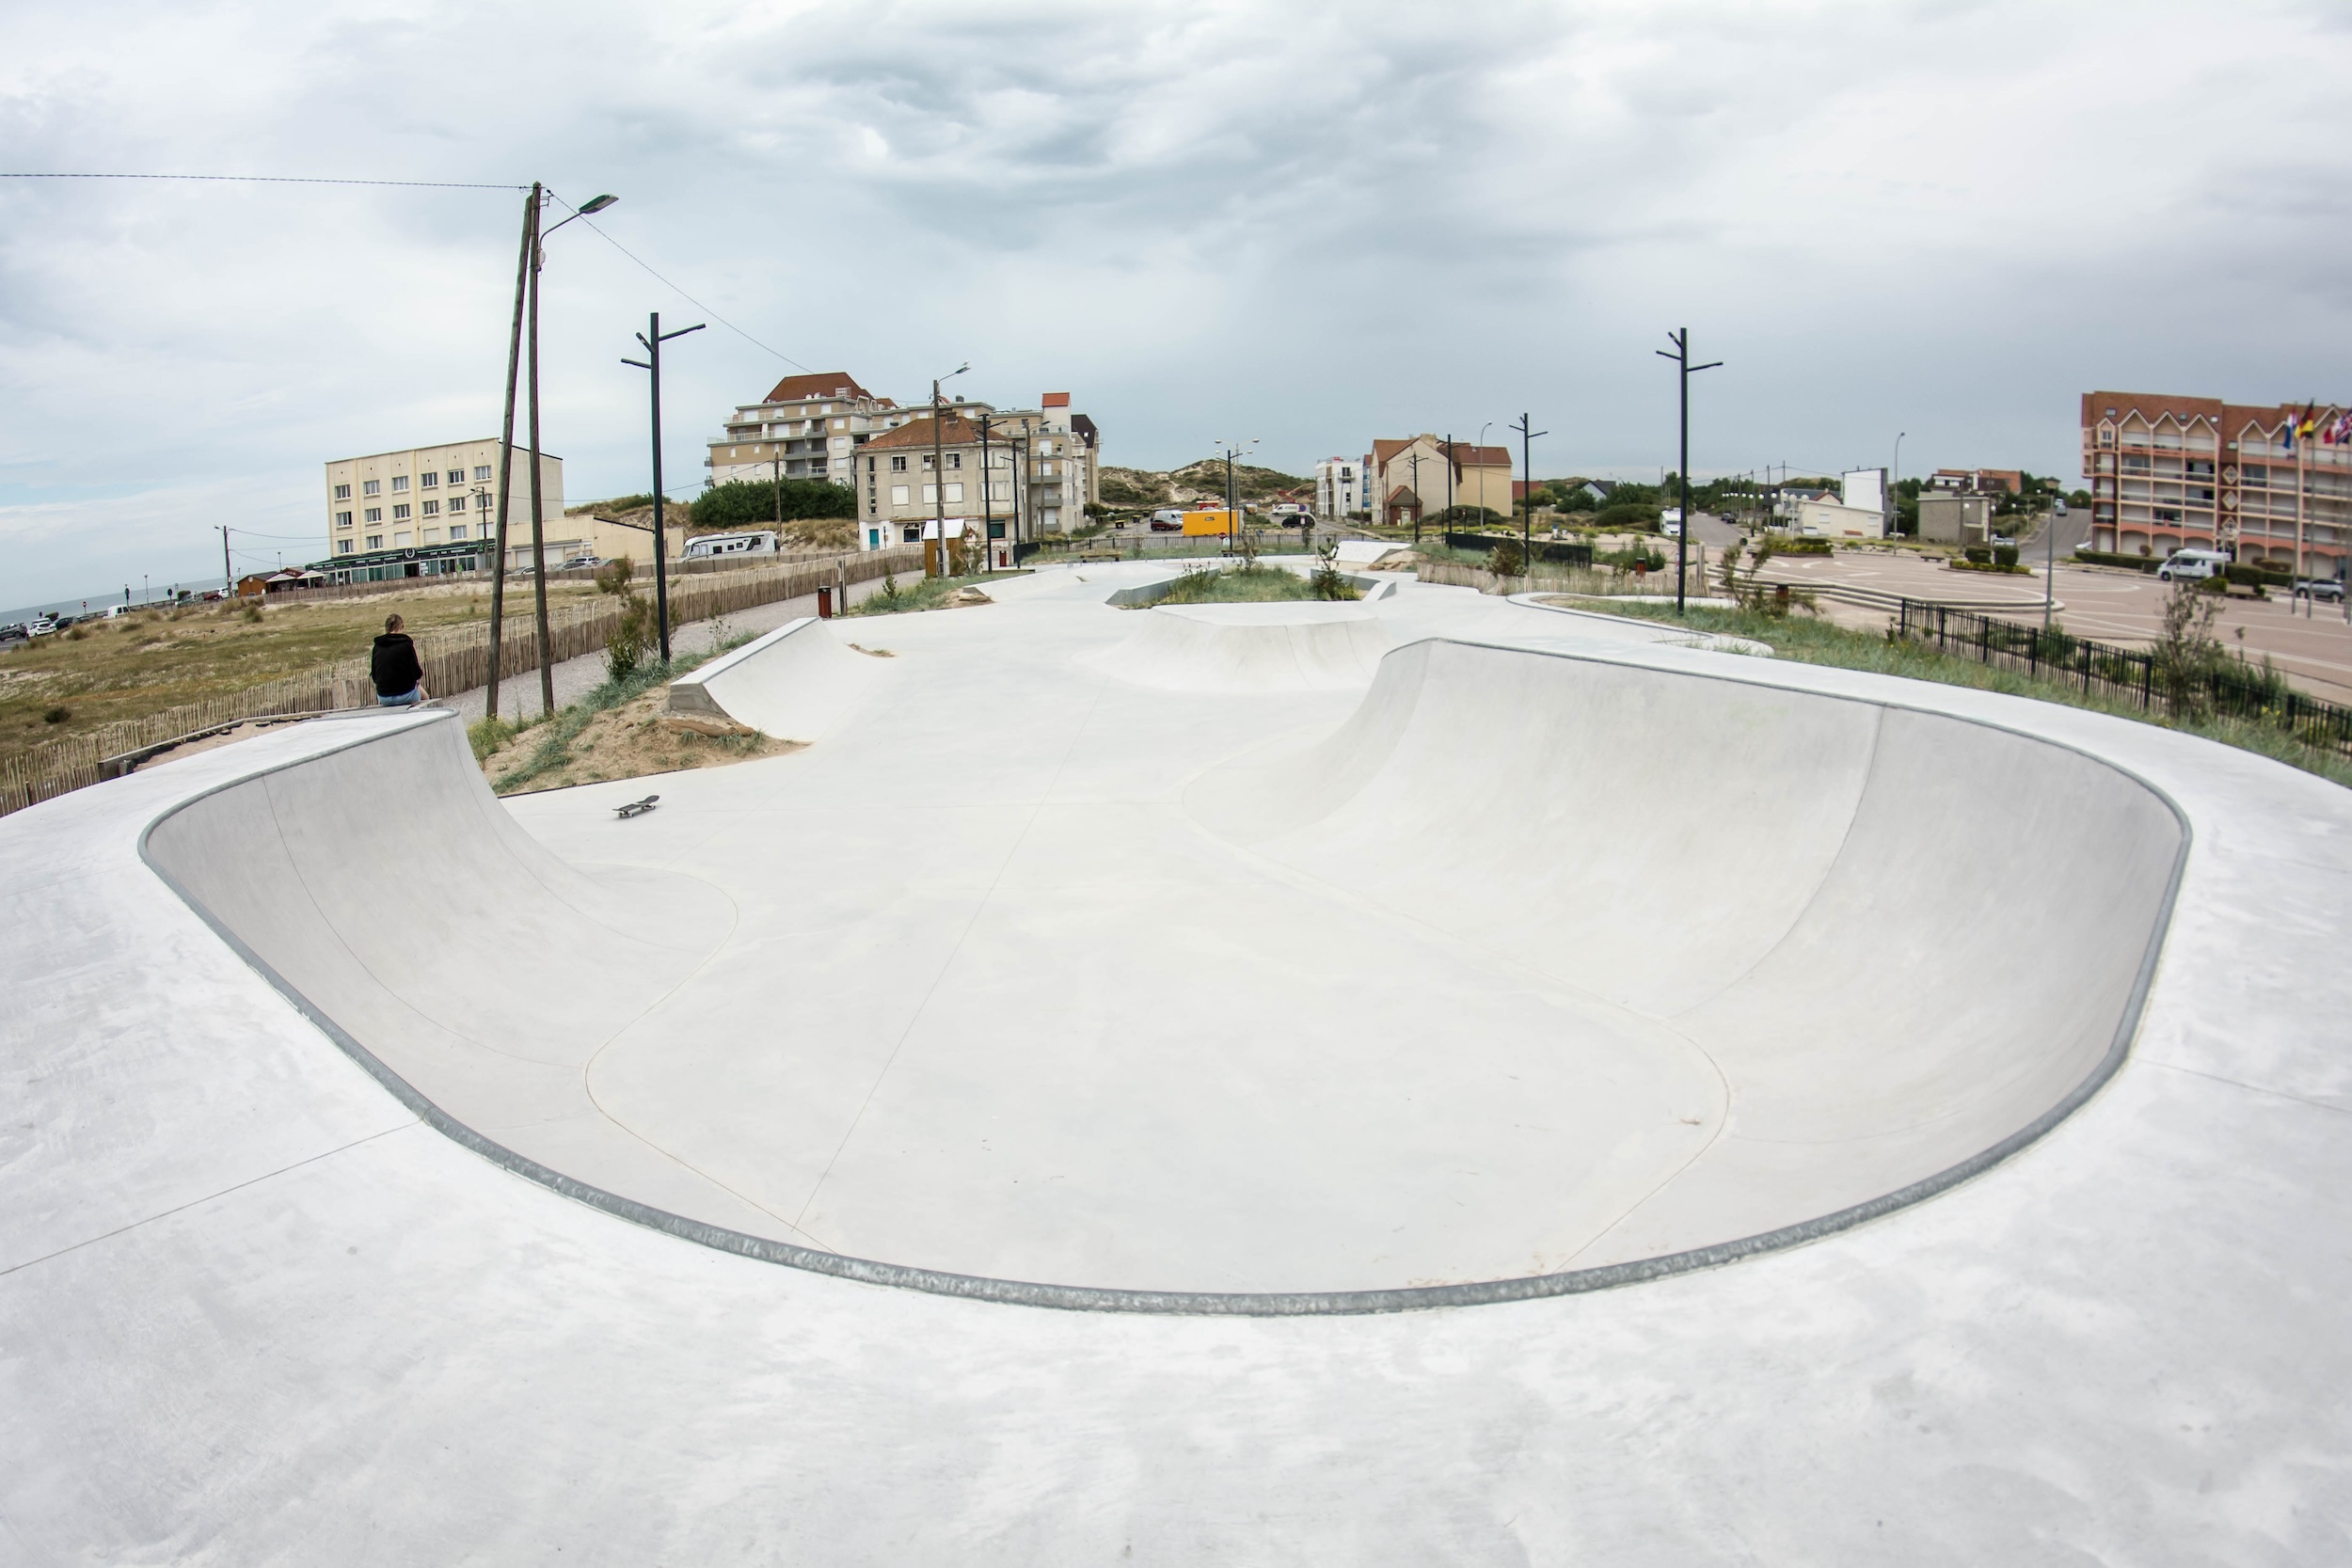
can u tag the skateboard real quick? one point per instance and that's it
(637, 808)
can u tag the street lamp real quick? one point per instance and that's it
(1895, 474)
(1680, 338)
(526, 316)
(1527, 512)
(1233, 507)
(653, 338)
(939, 470)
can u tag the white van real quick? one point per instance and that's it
(703, 547)
(2192, 566)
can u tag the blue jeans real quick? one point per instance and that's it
(409, 698)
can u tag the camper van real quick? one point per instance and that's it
(708, 545)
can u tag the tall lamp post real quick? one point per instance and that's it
(1680, 338)
(1233, 501)
(538, 255)
(1527, 510)
(506, 451)
(653, 338)
(1480, 446)
(1412, 465)
(1895, 475)
(988, 508)
(939, 470)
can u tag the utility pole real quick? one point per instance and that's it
(939, 470)
(1452, 463)
(653, 338)
(227, 573)
(538, 504)
(1680, 338)
(1412, 465)
(775, 461)
(1527, 508)
(988, 508)
(506, 449)
(2049, 559)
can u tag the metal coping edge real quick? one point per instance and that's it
(1080, 1298)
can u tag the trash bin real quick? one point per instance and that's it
(825, 601)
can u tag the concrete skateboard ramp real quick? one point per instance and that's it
(792, 683)
(1551, 963)
(1292, 646)
(1788, 1000)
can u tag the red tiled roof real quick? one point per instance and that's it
(954, 430)
(2148, 406)
(823, 384)
(1472, 456)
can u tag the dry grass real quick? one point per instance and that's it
(142, 664)
(627, 741)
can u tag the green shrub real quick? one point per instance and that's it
(1980, 554)
(748, 503)
(625, 649)
(613, 577)
(2004, 555)
(1508, 559)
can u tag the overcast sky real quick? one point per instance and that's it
(1307, 224)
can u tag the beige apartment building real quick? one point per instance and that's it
(1407, 479)
(1041, 471)
(2272, 486)
(434, 505)
(809, 424)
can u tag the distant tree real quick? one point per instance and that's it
(749, 503)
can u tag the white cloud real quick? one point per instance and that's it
(1319, 222)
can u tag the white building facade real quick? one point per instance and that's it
(1339, 486)
(426, 502)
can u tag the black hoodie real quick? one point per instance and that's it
(393, 666)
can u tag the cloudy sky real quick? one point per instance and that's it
(1308, 224)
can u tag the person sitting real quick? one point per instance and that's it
(393, 666)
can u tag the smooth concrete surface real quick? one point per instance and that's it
(1309, 646)
(1470, 945)
(793, 683)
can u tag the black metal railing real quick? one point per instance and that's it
(2215, 684)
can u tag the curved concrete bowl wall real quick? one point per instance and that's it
(1804, 959)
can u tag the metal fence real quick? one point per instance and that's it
(455, 658)
(2218, 685)
(1562, 552)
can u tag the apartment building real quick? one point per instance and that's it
(808, 424)
(1043, 466)
(430, 503)
(2270, 484)
(1424, 474)
(1339, 488)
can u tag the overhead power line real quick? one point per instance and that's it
(681, 293)
(271, 180)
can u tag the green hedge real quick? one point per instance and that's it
(749, 503)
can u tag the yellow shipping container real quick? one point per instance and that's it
(1207, 522)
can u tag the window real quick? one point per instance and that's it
(432, 509)
(400, 511)
(375, 513)
(432, 536)
(481, 472)
(371, 487)
(400, 484)
(930, 495)
(457, 476)
(912, 533)
(343, 519)
(898, 495)
(869, 465)
(456, 531)
(926, 460)
(343, 492)
(955, 460)
(430, 478)
(342, 546)
(375, 541)
(955, 492)
(899, 464)
(458, 503)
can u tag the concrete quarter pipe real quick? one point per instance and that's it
(1546, 956)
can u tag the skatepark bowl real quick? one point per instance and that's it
(1209, 962)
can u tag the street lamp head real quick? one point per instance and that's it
(597, 203)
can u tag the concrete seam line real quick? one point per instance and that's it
(1272, 1304)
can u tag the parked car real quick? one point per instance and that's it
(1161, 525)
(580, 564)
(2192, 566)
(2322, 588)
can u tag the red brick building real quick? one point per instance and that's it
(2271, 485)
